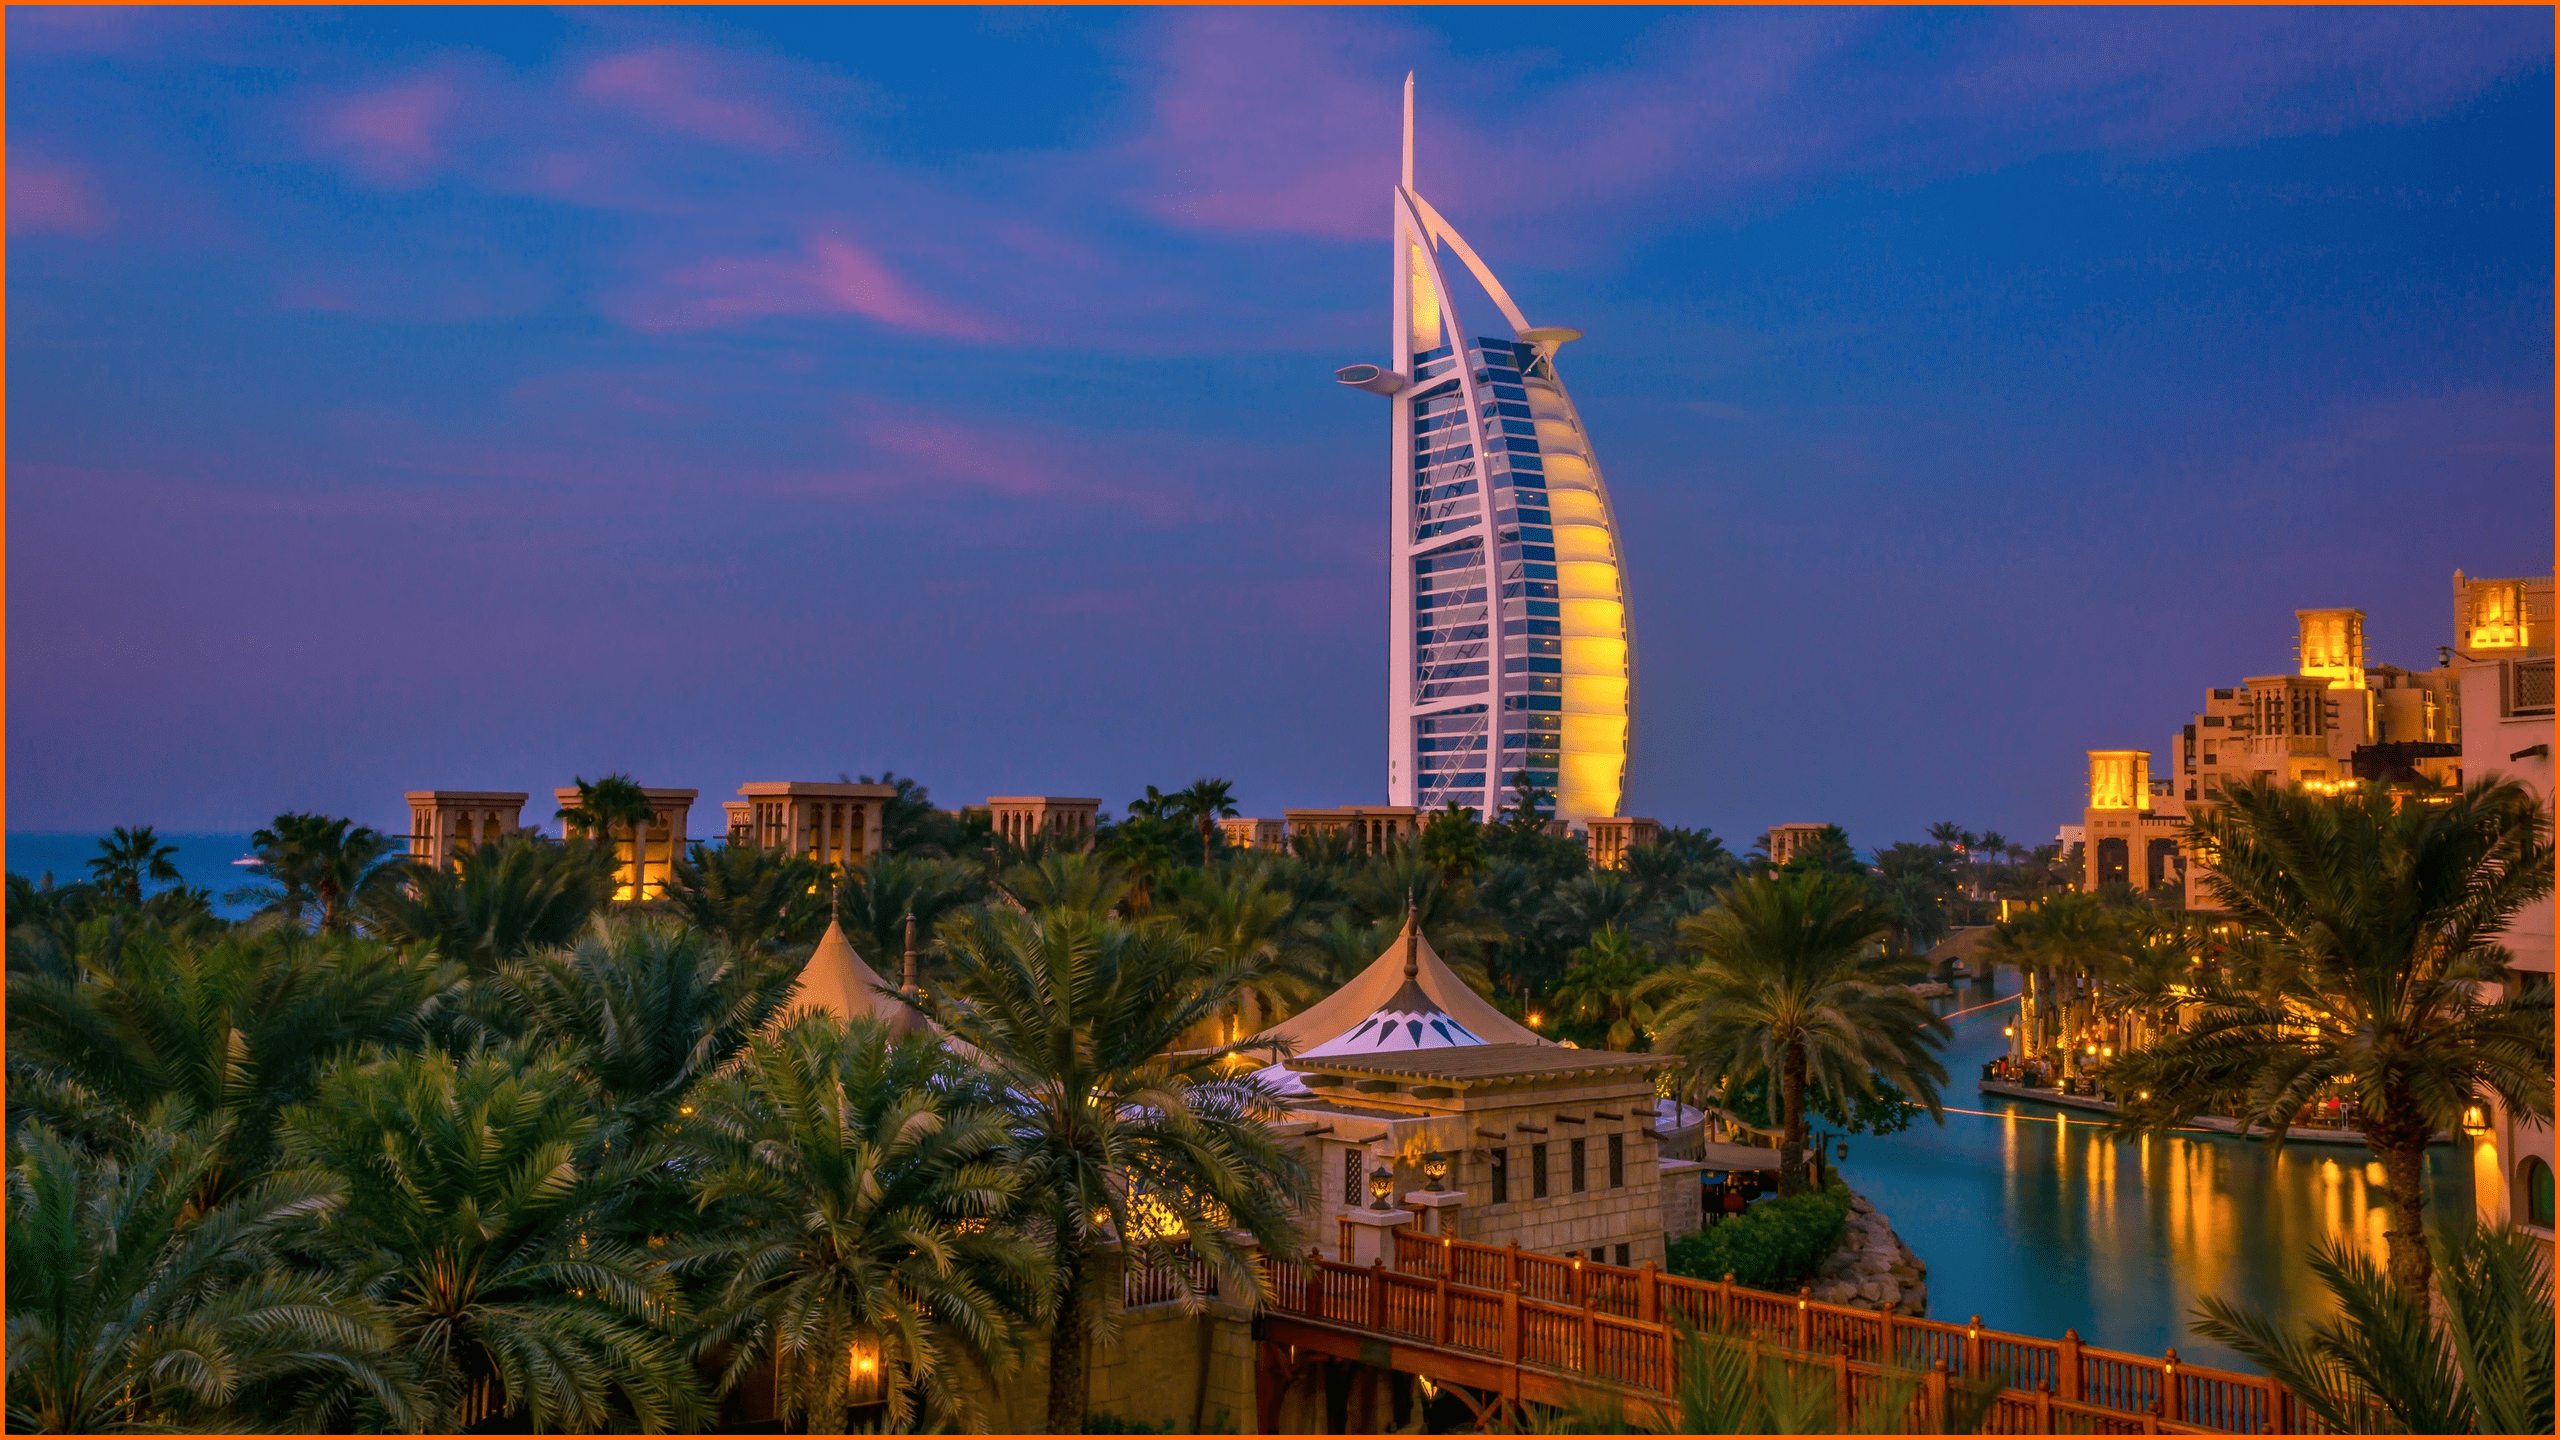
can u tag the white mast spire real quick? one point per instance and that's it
(1408, 130)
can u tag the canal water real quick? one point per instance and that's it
(2028, 1216)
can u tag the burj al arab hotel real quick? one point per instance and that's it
(1511, 649)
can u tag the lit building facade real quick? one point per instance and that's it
(445, 823)
(2502, 654)
(2335, 720)
(1510, 650)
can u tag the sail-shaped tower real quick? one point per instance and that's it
(1511, 650)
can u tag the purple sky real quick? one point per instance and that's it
(472, 399)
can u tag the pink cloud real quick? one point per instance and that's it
(690, 91)
(830, 276)
(50, 199)
(1286, 121)
(393, 135)
(1014, 465)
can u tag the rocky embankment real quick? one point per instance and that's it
(1873, 1269)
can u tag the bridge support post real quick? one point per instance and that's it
(1648, 1294)
(1937, 1392)
(2044, 1409)
(2172, 1404)
(2069, 1364)
(1511, 1325)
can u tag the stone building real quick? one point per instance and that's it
(660, 841)
(2502, 653)
(1059, 819)
(1371, 829)
(830, 822)
(1419, 1104)
(444, 823)
(1608, 838)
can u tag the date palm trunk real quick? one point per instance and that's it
(1069, 1334)
(1791, 1079)
(2398, 1138)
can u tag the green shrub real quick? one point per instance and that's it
(1773, 1244)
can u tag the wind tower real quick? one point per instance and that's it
(1510, 650)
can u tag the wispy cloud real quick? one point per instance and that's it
(828, 275)
(397, 134)
(691, 90)
(1286, 121)
(53, 199)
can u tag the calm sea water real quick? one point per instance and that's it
(202, 859)
(2029, 1217)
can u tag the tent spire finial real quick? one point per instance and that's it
(1412, 937)
(907, 980)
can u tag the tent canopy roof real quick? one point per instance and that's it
(1370, 991)
(837, 981)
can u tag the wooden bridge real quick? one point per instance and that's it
(1502, 1326)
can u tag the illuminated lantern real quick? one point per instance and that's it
(1435, 1170)
(863, 1377)
(2475, 1121)
(1381, 1180)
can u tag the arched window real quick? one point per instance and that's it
(2534, 1182)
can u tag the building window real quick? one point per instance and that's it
(1502, 1176)
(1617, 1161)
(1538, 1171)
(1599, 1254)
(1622, 1257)
(1578, 1147)
(2537, 1192)
(1351, 1178)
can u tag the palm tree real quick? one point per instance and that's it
(2067, 947)
(1913, 884)
(1788, 981)
(1451, 841)
(470, 1184)
(750, 897)
(127, 859)
(1599, 900)
(1530, 806)
(1203, 802)
(1240, 917)
(317, 868)
(236, 1029)
(617, 800)
(1077, 880)
(2386, 911)
(133, 1306)
(496, 901)
(2480, 1358)
(1602, 991)
(1113, 1135)
(858, 1190)
(875, 902)
(649, 1007)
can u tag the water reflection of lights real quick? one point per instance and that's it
(2008, 1234)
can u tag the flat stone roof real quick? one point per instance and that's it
(1482, 1064)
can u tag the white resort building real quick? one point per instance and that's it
(1510, 649)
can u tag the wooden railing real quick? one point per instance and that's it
(1619, 1327)
(1161, 1283)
